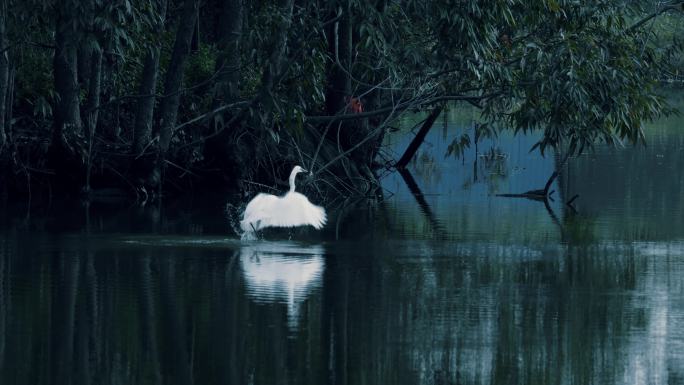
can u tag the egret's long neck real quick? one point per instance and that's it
(293, 175)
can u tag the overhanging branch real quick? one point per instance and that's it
(399, 107)
(679, 5)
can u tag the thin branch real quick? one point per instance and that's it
(159, 96)
(555, 174)
(234, 118)
(185, 170)
(258, 184)
(212, 112)
(370, 136)
(679, 5)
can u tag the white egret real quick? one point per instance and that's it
(291, 210)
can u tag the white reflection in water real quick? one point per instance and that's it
(648, 355)
(282, 272)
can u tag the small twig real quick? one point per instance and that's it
(213, 134)
(158, 96)
(185, 170)
(47, 172)
(156, 138)
(294, 143)
(212, 112)
(126, 180)
(258, 184)
(569, 203)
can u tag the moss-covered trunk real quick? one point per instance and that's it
(144, 115)
(174, 80)
(67, 114)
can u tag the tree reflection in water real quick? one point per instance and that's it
(401, 312)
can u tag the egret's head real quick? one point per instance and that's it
(298, 169)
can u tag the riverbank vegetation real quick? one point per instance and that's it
(156, 97)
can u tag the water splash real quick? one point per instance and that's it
(233, 214)
(248, 236)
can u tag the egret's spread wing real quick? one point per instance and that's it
(312, 215)
(257, 210)
(291, 210)
(294, 209)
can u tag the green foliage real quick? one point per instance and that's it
(201, 65)
(576, 72)
(571, 70)
(199, 73)
(34, 75)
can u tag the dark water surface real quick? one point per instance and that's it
(442, 282)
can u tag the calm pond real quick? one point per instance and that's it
(442, 282)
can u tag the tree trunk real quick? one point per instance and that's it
(92, 107)
(84, 65)
(9, 102)
(95, 82)
(274, 67)
(66, 154)
(143, 166)
(343, 136)
(174, 76)
(196, 42)
(67, 111)
(273, 70)
(142, 133)
(144, 116)
(228, 64)
(217, 150)
(4, 72)
(340, 48)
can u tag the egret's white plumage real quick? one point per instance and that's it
(290, 210)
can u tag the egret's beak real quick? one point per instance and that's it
(304, 170)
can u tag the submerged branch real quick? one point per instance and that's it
(419, 138)
(542, 194)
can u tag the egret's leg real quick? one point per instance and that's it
(252, 226)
